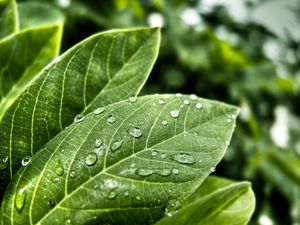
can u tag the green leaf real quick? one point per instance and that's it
(217, 201)
(33, 14)
(105, 68)
(122, 166)
(8, 18)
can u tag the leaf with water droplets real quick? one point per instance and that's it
(217, 201)
(154, 160)
(104, 68)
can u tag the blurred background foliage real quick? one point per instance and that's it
(243, 52)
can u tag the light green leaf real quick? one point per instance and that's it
(33, 14)
(8, 18)
(217, 201)
(124, 165)
(104, 68)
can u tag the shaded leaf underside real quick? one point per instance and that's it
(8, 18)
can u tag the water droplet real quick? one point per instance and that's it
(213, 169)
(96, 186)
(172, 207)
(154, 153)
(73, 173)
(193, 97)
(175, 113)
(98, 142)
(178, 94)
(186, 102)
(20, 199)
(55, 179)
(184, 158)
(164, 122)
(26, 160)
(116, 145)
(132, 165)
(138, 197)
(196, 133)
(68, 221)
(161, 101)
(99, 110)
(59, 170)
(175, 171)
(112, 195)
(135, 132)
(90, 159)
(144, 172)
(4, 163)
(51, 202)
(229, 120)
(79, 118)
(132, 98)
(126, 193)
(163, 172)
(163, 156)
(111, 119)
(199, 105)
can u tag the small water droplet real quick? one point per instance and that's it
(178, 94)
(175, 171)
(116, 145)
(68, 221)
(51, 202)
(90, 159)
(184, 158)
(3, 163)
(196, 133)
(59, 170)
(163, 172)
(163, 156)
(20, 199)
(199, 105)
(154, 153)
(112, 195)
(138, 197)
(186, 102)
(193, 97)
(172, 207)
(229, 120)
(26, 160)
(144, 172)
(135, 132)
(79, 118)
(132, 165)
(99, 110)
(111, 119)
(161, 101)
(98, 142)
(126, 193)
(132, 98)
(96, 186)
(174, 113)
(213, 169)
(73, 173)
(55, 179)
(164, 122)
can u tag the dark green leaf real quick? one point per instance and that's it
(104, 68)
(8, 18)
(124, 165)
(217, 201)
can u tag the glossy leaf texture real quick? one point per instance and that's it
(8, 18)
(34, 14)
(122, 164)
(217, 201)
(104, 68)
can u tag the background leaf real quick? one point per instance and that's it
(122, 165)
(105, 68)
(8, 18)
(217, 201)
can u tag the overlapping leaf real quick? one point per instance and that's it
(123, 164)
(105, 68)
(8, 18)
(217, 201)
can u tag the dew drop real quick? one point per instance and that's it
(68, 221)
(96, 186)
(213, 169)
(132, 98)
(184, 158)
(144, 172)
(154, 153)
(112, 195)
(163, 172)
(59, 170)
(98, 142)
(135, 132)
(116, 145)
(20, 199)
(126, 193)
(138, 197)
(26, 160)
(199, 105)
(193, 97)
(196, 133)
(161, 101)
(73, 173)
(111, 119)
(132, 165)
(51, 202)
(175, 171)
(229, 120)
(4, 163)
(99, 110)
(172, 207)
(164, 122)
(79, 118)
(90, 159)
(174, 113)
(163, 156)
(186, 102)
(178, 94)
(55, 179)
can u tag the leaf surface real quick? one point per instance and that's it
(8, 18)
(124, 165)
(104, 68)
(217, 201)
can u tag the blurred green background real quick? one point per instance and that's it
(243, 52)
